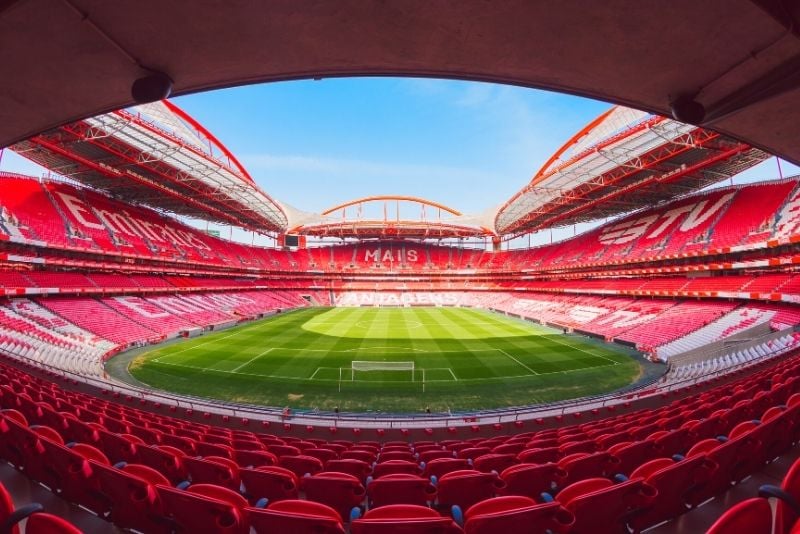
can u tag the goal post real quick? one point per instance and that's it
(369, 365)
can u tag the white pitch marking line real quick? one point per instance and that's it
(519, 362)
(452, 374)
(213, 340)
(361, 349)
(315, 373)
(584, 350)
(251, 360)
(212, 370)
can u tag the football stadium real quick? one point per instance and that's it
(194, 339)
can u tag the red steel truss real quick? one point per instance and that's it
(131, 156)
(652, 160)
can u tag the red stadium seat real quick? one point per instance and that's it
(213, 470)
(37, 521)
(204, 508)
(405, 518)
(539, 455)
(729, 456)
(400, 489)
(405, 455)
(516, 514)
(297, 517)
(583, 465)
(531, 480)
(131, 490)
(753, 516)
(301, 464)
(164, 459)
(270, 482)
(467, 487)
(255, 458)
(392, 467)
(787, 507)
(358, 468)
(340, 491)
(676, 483)
(601, 506)
(71, 475)
(440, 466)
(357, 454)
(42, 523)
(630, 455)
(494, 462)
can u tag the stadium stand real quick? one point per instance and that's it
(682, 282)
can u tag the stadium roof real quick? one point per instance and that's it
(620, 161)
(63, 61)
(392, 216)
(159, 156)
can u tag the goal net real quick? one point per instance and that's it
(366, 365)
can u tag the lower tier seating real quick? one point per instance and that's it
(150, 471)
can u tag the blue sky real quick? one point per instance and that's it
(314, 144)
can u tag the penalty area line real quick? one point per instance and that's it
(519, 362)
(251, 360)
(318, 369)
(201, 344)
(582, 350)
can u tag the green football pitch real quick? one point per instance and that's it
(387, 359)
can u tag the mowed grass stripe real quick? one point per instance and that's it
(251, 363)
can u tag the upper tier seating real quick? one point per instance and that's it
(66, 216)
(704, 222)
(61, 216)
(752, 215)
(26, 211)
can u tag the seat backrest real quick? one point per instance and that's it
(301, 464)
(395, 466)
(602, 506)
(441, 466)
(532, 479)
(516, 514)
(340, 491)
(753, 516)
(205, 508)
(400, 489)
(409, 519)
(42, 523)
(785, 516)
(358, 468)
(272, 482)
(297, 517)
(165, 459)
(6, 509)
(467, 487)
(213, 470)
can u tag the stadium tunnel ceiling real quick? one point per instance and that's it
(67, 59)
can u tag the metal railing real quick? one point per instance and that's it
(655, 387)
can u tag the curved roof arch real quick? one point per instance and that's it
(390, 216)
(398, 198)
(77, 58)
